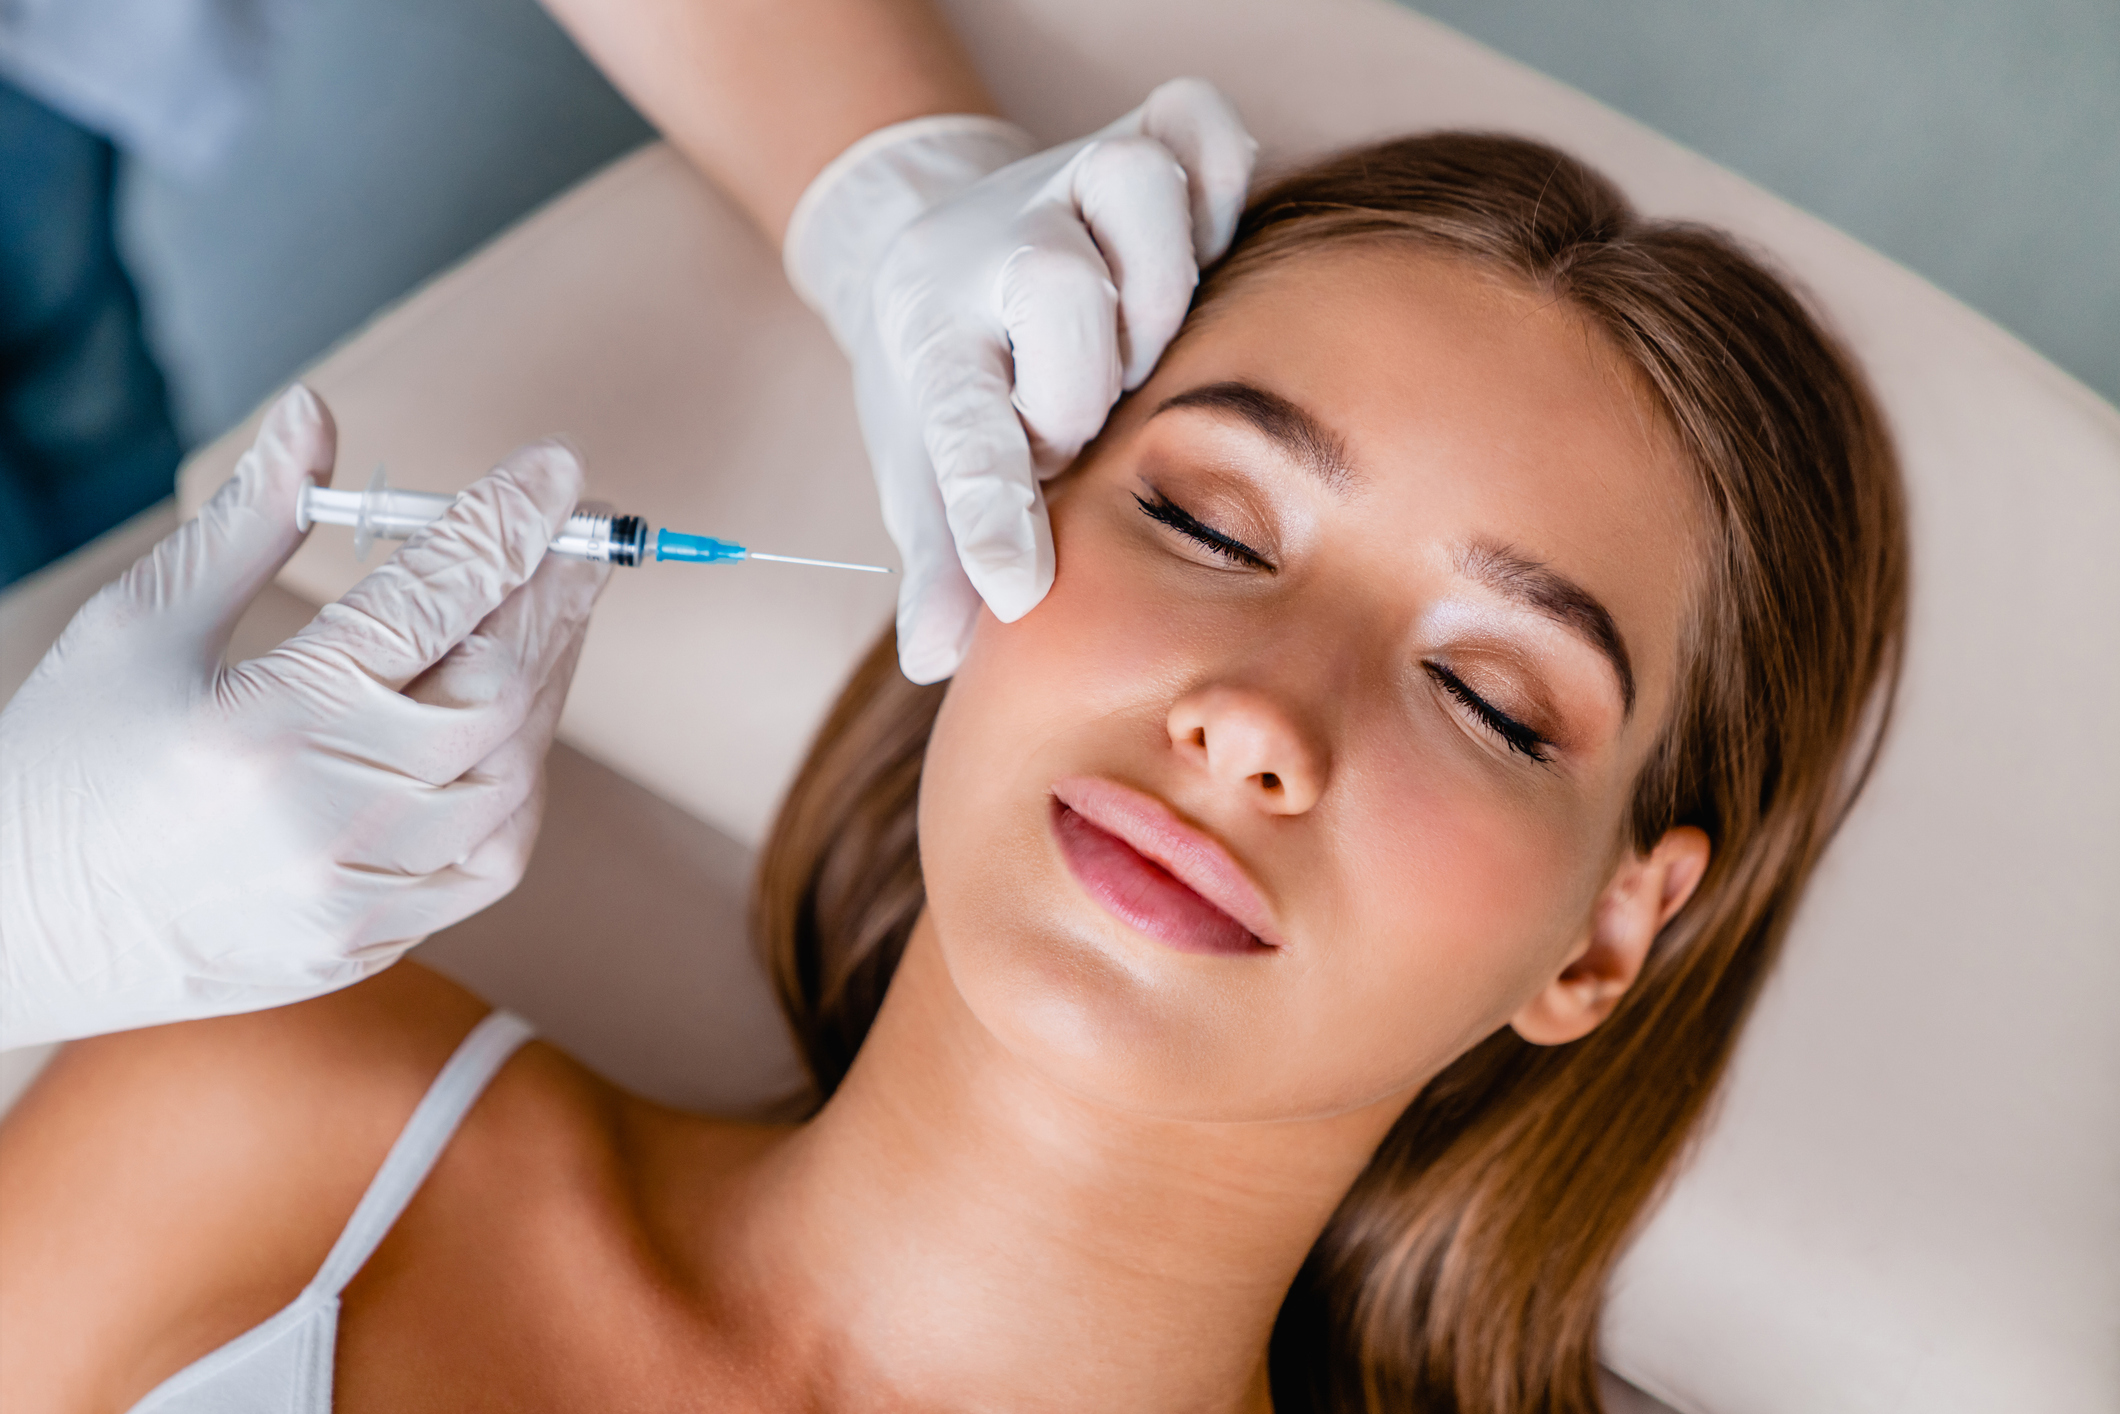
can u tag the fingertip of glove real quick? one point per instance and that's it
(552, 456)
(1011, 600)
(936, 617)
(296, 444)
(1012, 590)
(302, 413)
(1199, 97)
(924, 664)
(298, 406)
(298, 436)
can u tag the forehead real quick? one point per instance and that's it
(1473, 409)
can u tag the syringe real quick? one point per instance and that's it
(383, 512)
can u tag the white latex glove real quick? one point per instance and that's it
(995, 302)
(180, 838)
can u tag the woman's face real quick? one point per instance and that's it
(1313, 768)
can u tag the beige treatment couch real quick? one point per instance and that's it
(1910, 1200)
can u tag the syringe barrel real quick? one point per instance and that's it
(601, 536)
(390, 514)
(385, 513)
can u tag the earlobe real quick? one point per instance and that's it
(1643, 895)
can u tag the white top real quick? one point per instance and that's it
(284, 1366)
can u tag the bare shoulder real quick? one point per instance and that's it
(163, 1190)
(553, 1259)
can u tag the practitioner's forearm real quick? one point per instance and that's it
(761, 94)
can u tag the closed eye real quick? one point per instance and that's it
(1518, 736)
(1167, 512)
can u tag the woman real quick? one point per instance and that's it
(1277, 972)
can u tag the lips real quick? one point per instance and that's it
(1155, 872)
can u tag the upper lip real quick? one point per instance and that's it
(1194, 857)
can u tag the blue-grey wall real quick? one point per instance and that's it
(1975, 141)
(1978, 141)
(393, 138)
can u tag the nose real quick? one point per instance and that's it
(1250, 744)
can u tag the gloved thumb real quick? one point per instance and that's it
(197, 582)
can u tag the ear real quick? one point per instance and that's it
(1643, 894)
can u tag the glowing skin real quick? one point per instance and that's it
(1427, 880)
(1224, 860)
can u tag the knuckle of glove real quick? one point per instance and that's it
(500, 525)
(485, 670)
(991, 520)
(1140, 162)
(1063, 271)
(390, 621)
(1062, 313)
(1195, 120)
(967, 447)
(415, 604)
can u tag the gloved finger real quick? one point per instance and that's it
(403, 910)
(448, 718)
(1132, 194)
(426, 829)
(189, 591)
(1193, 119)
(936, 615)
(1061, 313)
(982, 462)
(492, 870)
(402, 618)
(919, 525)
(492, 677)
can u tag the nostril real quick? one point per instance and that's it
(1269, 780)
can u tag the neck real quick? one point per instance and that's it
(955, 1230)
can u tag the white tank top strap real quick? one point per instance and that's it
(477, 1059)
(285, 1365)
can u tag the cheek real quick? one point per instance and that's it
(1103, 654)
(1107, 634)
(1453, 903)
(1071, 684)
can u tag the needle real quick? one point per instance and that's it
(821, 564)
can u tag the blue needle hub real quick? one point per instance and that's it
(696, 549)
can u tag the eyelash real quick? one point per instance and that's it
(1167, 512)
(1509, 729)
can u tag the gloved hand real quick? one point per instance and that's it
(994, 304)
(180, 838)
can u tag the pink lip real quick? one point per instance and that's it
(1157, 873)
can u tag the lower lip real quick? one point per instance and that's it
(1143, 893)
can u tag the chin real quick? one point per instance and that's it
(1142, 1035)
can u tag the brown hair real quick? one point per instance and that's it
(1465, 1270)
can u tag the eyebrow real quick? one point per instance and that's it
(1540, 587)
(1500, 567)
(1307, 440)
